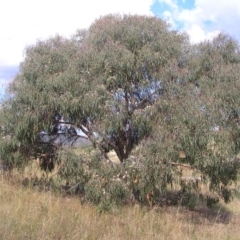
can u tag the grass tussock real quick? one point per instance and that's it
(30, 214)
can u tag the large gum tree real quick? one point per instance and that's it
(100, 80)
(131, 81)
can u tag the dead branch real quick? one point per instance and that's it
(181, 165)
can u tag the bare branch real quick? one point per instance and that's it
(145, 100)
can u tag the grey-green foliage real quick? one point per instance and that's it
(133, 81)
(203, 119)
(95, 75)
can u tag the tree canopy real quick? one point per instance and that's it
(135, 86)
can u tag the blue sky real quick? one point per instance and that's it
(161, 9)
(23, 22)
(201, 19)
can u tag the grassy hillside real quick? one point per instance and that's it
(30, 214)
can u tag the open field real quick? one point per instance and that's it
(30, 214)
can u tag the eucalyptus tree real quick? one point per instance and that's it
(124, 62)
(135, 86)
(198, 123)
(100, 79)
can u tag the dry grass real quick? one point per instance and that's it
(113, 157)
(28, 214)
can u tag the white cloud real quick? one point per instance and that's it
(171, 3)
(197, 34)
(23, 22)
(168, 17)
(207, 18)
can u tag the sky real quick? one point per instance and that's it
(23, 22)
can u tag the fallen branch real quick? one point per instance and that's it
(181, 165)
(75, 185)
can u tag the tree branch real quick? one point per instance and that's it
(141, 104)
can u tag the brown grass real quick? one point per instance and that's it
(28, 214)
